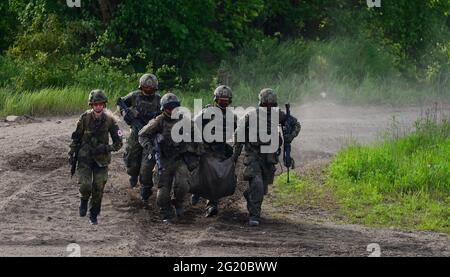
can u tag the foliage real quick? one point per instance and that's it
(306, 47)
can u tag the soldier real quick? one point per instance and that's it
(173, 173)
(220, 149)
(259, 168)
(90, 144)
(144, 105)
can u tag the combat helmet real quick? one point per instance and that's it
(148, 81)
(169, 101)
(97, 96)
(268, 97)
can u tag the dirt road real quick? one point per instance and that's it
(39, 201)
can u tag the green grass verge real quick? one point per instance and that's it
(302, 191)
(403, 182)
(67, 101)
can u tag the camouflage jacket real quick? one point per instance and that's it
(201, 122)
(253, 148)
(147, 106)
(163, 125)
(91, 133)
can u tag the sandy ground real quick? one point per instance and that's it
(39, 201)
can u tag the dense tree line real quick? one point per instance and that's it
(181, 39)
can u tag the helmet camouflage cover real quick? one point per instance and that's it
(267, 96)
(223, 92)
(169, 98)
(148, 81)
(97, 96)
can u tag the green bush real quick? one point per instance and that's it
(104, 76)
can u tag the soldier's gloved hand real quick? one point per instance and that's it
(101, 149)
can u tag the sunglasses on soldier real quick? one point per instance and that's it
(171, 106)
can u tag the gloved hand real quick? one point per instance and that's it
(101, 149)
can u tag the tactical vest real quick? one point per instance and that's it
(254, 148)
(221, 146)
(169, 148)
(146, 105)
(96, 132)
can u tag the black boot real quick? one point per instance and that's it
(195, 199)
(93, 219)
(212, 208)
(133, 181)
(146, 192)
(83, 207)
(93, 213)
(211, 211)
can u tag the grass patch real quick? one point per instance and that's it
(302, 191)
(70, 100)
(44, 102)
(403, 182)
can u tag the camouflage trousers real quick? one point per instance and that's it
(136, 161)
(92, 180)
(173, 185)
(259, 174)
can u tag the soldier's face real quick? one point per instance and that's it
(148, 90)
(223, 102)
(168, 111)
(98, 107)
(168, 108)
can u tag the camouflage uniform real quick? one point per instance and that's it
(175, 171)
(91, 137)
(259, 168)
(146, 107)
(220, 149)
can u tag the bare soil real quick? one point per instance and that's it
(39, 201)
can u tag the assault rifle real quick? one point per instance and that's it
(287, 159)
